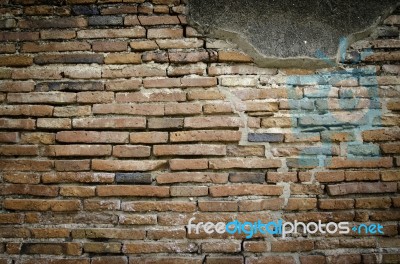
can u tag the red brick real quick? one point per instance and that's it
(42, 205)
(171, 96)
(128, 151)
(132, 190)
(261, 204)
(362, 175)
(292, 246)
(203, 177)
(50, 233)
(78, 191)
(72, 165)
(221, 247)
(110, 260)
(224, 260)
(9, 137)
(230, 163)
(392, 175)
(158, 20)
(297, 204)
(165, 123)
(374, 202)
(38, 138)
(16, 60)
(188, 164)
(329, 176)
(77, 177)
(336, 204)
(113, 123)
(57, 34)
(149, 137)
(181, 70)
(135, 219)
(158, 247)
(364, 187)
(282, 177)
(233, 56)
(19, 36)
(26, 189)
(166, 259)
(92, 137)
(20, 150)
(108, 233)
(127, 165)
(188, 191)
(270, 259)
(154, 33)
(136, 32)
(54, 123)
(312, 259)
(201, 149)
(101, 205)
(78, 150)
(123, 58)
(218, 108)
(147, 206)
(339, 162)
(25, 165)
(55, 46)
(11, 218)
(245, 189)
(218, 206)
(15, 86)
(169, 233)
(109, 46)
(390, 148)
(128, 109)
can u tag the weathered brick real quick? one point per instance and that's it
(154, 33)
(218, 206)
(54, 123)
(72, 165)
(136, 32)
(42, 205)
(221, 246)
(171, 96)
(187, 43)
(105, 21)
(78, 191)
(143, 45)
(158, 20)
(203, 177)
(19, 150)
(101, 205)
(37, 138)
(26, 189)
(108, 233)
(9, 137)
(148, 206)
(265, 137)
(252, 177)
(92, 137)
(261, 204)
(230, 163)
(329, 176)
(245, 189)
(74, 177)
(181, 70)
(133, 178)
(189, 57)
(213, 122)
(188, 191)
(199, 82)
(16, 86)
(19, 36)
(57, 34)
(374, 202)
(365, 187)
(147, 219)
(200, 149)
(132, 190)
(339, 162)
(391, 175)
(110, 259)
(128, 151)
(66, 22)
(78, 150)
(26, 110)
(42, 97)
(16, 60)
(69, 59)
(55, 46)
(297, 204)
(148, 137)
(127, 165)
(245, 151)
(362, 175)
(336, 204)
(113, 123)
(205, 135)
(158, 247)
(25, 165)
(233, 56)
(281, 177)
(270, 259)
(292, 246)
(123, 58)
(123, 85)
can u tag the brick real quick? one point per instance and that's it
(199, 82)
(25, 165)
(339, 162)
(148, 219)
(166, 259)
(261, 204)
(127, 151)
(113, 123)
(92, 137)
(230, 163)
(188, 191)
(9, 137)
(155, 56)
(233, 56)
(270, 259)
(140, 178)
(127, 165)
(365, 187)
(55, 261)
(8, 23)
(101, 205)
(19, 36)
(252, 177)
(298, 204)
(281, 177)
(170, 233)
(362, 175)
(238, 81)
(158, 20)
(123, 58)
(25, 189)
(123, 85)
(158, 247)
(390, 148)
(24, 124)
(16, 86)
(78, 191)
(54, 123)
(73, 249)
(336, 204)
(66, 22)
(129, 109)
(312, 259)
(123, 9)
(38, 138)
(136, 32)
(189, 57)
(265, 137)
(373, 203)
(69, 59)
(98, 247)
(349, 258)
(245, 189)
(224, 260)
(42, 97)
(95, 97)
(108, 233)
(201, 94)
(108, 46)
(154, 33)
(147, 206)
(182, 109)
(20, 150)
(255, 246)
(26, 110)
(330, 176)
(50, 233)
(187, 43)
(309, 189)
(110, 259)
(57, 34)
(201, 149)
(132, 190)
(148, 137)
(181, 70)
(188, 164)
(77, 177)
(72, 165)
(105, 21)
(213, 122)
(16, 60)
(161, 82)
(217, 108)
(55, 46)
(69, 86)
(42, 205)
(143, 45)
(218, 206)
(245, 151)
(292, 246)
(221, 247)
(171, 96)
(391, 175)
(205, 135)
(11, 218)
(202, 177)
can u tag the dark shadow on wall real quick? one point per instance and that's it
(286, 33)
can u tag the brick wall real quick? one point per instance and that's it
(119, 123)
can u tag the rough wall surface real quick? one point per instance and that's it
(119, 123)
